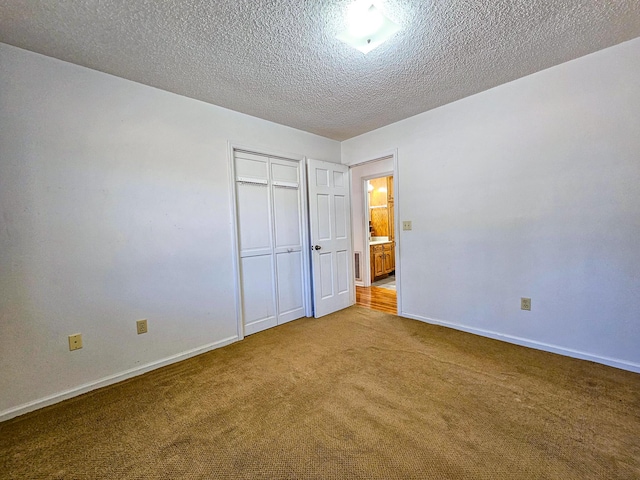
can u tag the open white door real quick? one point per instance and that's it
(330, 218)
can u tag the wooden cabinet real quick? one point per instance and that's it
(383, 260)
(377, 261)
(389, 258)
(381, 208)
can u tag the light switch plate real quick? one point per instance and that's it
(406, 225)
(525, 303)
(75, 342)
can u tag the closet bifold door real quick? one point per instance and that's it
(287, 223)
(270, 221)
(255, 238)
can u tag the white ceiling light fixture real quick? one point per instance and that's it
(367, 27)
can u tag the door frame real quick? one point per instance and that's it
(396, 220)
(235, 235)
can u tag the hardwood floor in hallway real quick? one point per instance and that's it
(376, 298)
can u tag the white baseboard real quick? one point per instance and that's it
(612, 362)
(111, 379)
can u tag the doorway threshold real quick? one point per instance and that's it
(377, 298)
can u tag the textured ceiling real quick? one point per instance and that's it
(280, 60)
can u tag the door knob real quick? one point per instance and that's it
(317, 247)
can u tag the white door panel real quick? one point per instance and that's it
(250, 165)
(341, 213)
(340, 178)
(258, 302)
(290, 286)
(286, 213)
(325, 266)
(254, 216)
(322, 176)
(329, 208)
(342, 279)
(323, 216)
(284, 172)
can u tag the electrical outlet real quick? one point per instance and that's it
(141, 326)
(75, 342)
(406, 225)
(525, 303)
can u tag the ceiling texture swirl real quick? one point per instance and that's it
(280, 59)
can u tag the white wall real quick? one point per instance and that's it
(114, 201)
(358, 174)
(531, 189)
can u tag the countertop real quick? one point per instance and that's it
(379, 242)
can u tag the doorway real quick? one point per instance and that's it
(379, 215)
(374, 227)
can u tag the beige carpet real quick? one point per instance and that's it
(357, 394)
